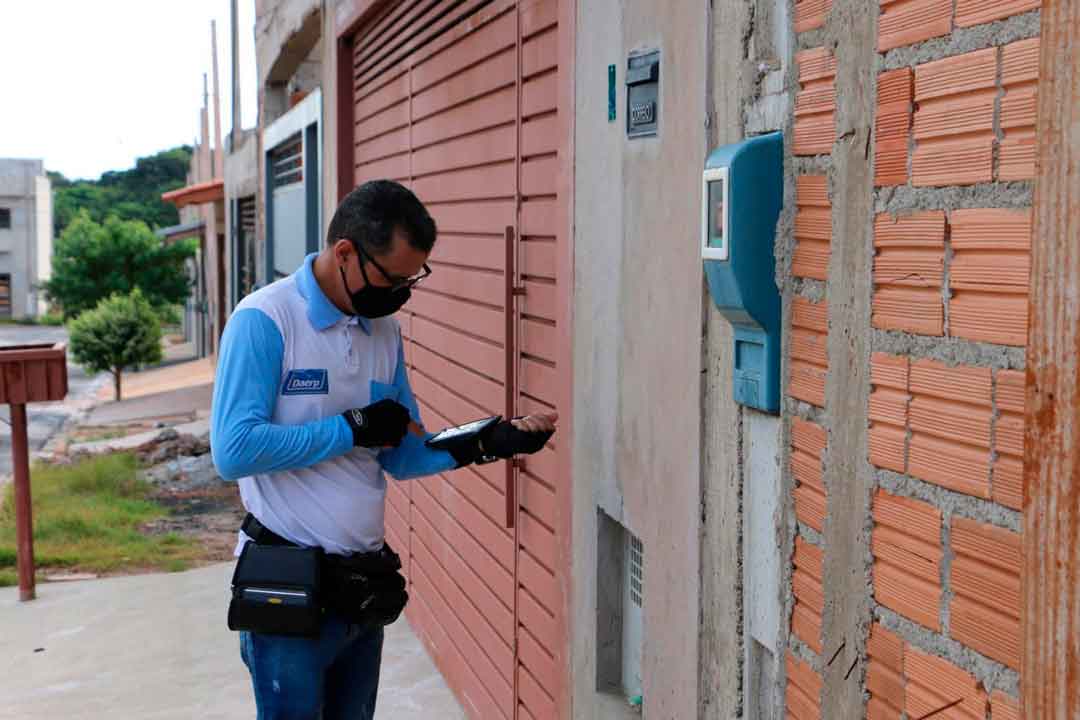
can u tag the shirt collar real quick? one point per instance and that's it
(322, 313)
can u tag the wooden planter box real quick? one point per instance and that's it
(33, 373)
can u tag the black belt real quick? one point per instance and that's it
(261, 534)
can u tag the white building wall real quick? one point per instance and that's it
(44, 249)
(21, 184)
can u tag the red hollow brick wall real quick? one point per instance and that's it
(953, 151)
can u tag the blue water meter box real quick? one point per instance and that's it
(741, 195)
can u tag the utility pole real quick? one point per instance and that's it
(206, 169)
(219, 155)
(236, 117)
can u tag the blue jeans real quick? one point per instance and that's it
(331, 677)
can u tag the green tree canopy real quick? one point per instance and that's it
(121, 332)
(92, 261)
(133, 194)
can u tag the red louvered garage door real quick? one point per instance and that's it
(458, 100)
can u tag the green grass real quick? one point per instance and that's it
(87, 518)
(103, 435)
(50, 320)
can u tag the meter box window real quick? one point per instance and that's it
(643, 94)
(741, 196)
(714, 221)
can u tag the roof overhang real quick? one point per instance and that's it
(184, 230)
(204, 192)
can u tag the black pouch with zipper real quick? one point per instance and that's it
(366, 589)
(276, 589)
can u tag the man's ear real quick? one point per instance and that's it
(343, 250)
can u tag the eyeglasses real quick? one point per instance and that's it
(396, 283)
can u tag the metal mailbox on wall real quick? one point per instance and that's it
(643, 94)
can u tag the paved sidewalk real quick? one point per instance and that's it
(156, 647)
(192, 373)
(177, 393)
(172, 406)
(131, 443)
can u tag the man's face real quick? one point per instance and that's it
(392, 269)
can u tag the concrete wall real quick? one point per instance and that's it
(216, 283)
(637, 339)
(329, 47)
(241, 167)
(643, 322)
(285, 33)
(26, 191)
(14, 250)
(43, 252)
(241, 180)
(289, 53)
(746, 531)
(309, 73)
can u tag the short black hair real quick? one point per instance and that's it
(370, 213)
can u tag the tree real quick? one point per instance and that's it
(92, 262)
(133, 194)
(122, 331)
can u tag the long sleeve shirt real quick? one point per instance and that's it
(290, 364)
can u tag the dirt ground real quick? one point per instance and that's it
(210, 516)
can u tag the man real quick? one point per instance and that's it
(311, 404)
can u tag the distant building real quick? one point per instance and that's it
(26, 236)
(202, 215)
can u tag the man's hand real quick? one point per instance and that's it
(526, 435)
(542, 423)
(381, 424)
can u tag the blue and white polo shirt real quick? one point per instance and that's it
(290, 363)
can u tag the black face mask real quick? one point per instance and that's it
(375, 302)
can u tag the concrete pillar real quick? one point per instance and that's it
(746, 538)
(637, 339)
(848, 477)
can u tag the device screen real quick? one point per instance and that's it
(466, 429)
(716, 212)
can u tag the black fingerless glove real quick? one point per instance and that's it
(380, 424)
(501, 441)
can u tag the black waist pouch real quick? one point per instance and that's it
(277, 590)
(366, 589)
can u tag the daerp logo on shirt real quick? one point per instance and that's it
(306, 382)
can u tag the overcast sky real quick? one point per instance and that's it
(90, 85)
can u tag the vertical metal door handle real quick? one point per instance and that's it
(511, 361)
